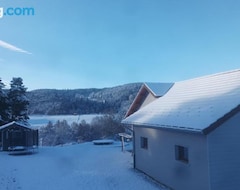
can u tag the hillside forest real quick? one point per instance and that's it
(112, 103)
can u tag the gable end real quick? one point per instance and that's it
(221, 120)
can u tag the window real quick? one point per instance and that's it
(144, 142)
(181, 153)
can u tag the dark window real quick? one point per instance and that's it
(181, 153)
(144, 142)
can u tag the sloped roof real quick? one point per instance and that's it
(193, 105)
(12, 123)
(156, 89)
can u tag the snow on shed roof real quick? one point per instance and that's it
(192, 105)
(158, 89)
(12, 123)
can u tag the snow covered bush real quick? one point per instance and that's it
(61, 132)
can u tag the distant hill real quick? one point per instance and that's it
(115, 100)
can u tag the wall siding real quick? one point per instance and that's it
(150, 98)
(224, 155)
(159, 162)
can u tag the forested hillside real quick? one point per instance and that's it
(115, 100)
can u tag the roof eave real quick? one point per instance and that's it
(166, 127)
(143, 87)
(221, 120)
(12, 123)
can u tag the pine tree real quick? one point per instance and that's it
(18, 101)
(4, 107)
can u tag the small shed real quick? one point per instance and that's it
(189, 138)
(15, 135)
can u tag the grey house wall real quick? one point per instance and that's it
(150, 98)
(224, 155)
(159, 162)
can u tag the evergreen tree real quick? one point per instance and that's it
(4, 107)
(18, 101)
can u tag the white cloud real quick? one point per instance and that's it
(12, 47)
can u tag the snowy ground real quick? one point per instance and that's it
(82, 166)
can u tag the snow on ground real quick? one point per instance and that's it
(82, 166)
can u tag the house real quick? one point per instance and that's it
(15, 135)
(189, 138)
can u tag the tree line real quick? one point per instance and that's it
(61, 132)
(13, 102)
(14, 106)
(113, 100)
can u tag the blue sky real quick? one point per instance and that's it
(102, 43)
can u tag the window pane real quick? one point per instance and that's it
(181, 153)
(144, 142)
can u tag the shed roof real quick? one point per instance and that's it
(16, 123)
(194, 105)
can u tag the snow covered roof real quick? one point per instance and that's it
(194, 105)
(12, 123)
(158, 89)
